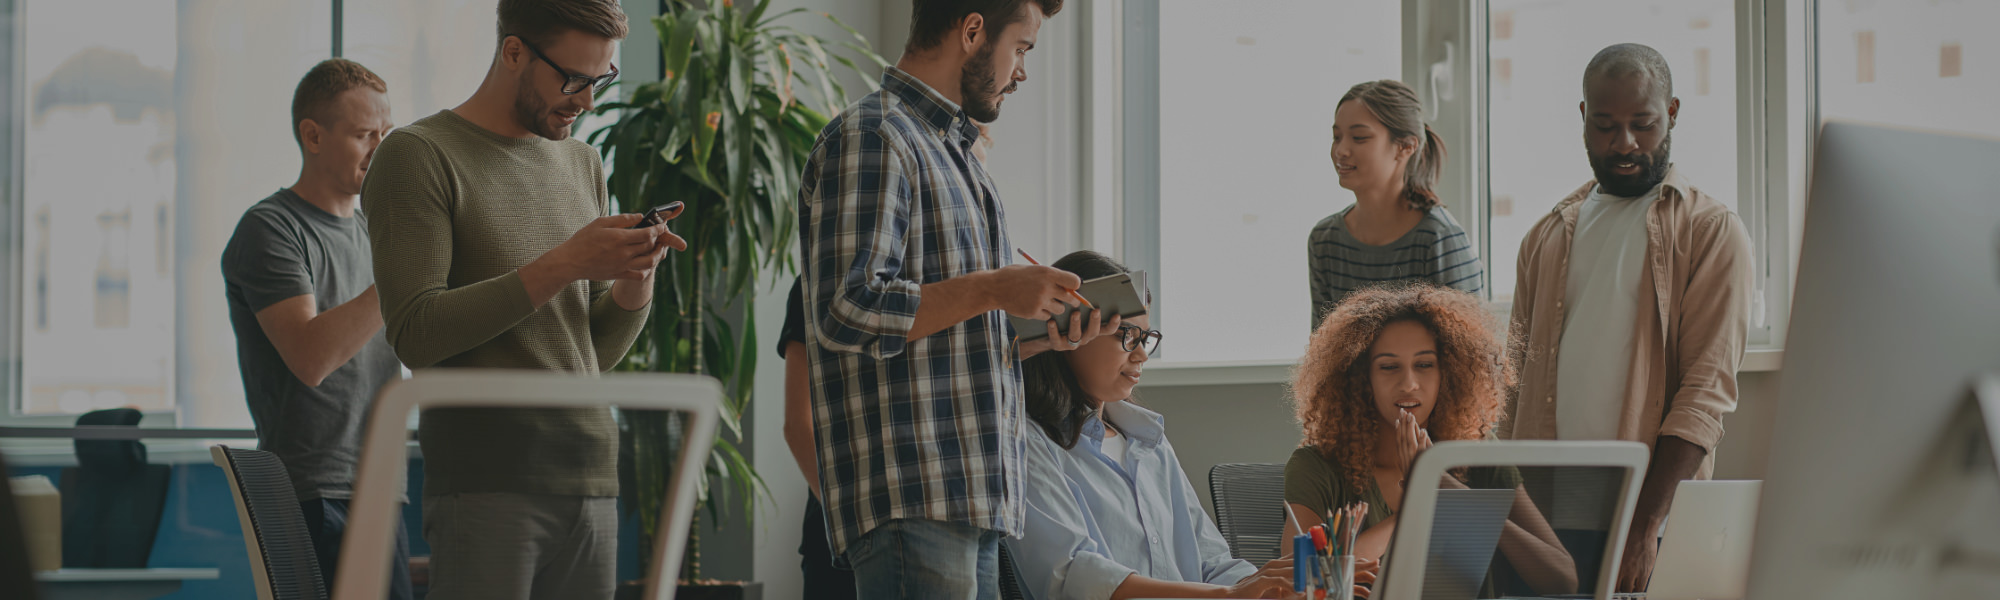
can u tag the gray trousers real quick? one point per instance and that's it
(501, 546)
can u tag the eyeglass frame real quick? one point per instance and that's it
(593, 83)
(1126, 342)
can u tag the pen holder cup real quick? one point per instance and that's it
(1340, 579)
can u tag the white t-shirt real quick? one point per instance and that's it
(1600, 309)
(1114, 447)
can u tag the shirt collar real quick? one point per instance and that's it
(931, 107)
(1133, 421)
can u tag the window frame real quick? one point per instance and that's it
(12, 207)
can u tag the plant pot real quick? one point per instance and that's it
(716, 590)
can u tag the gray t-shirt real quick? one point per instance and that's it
(285, 247)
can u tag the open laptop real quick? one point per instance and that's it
(1447, 543)
(1705, 550)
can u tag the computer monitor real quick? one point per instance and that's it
(1880, 484)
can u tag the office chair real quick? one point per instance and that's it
(274, 529)
(1010, 579)
(1249, 508)
(373, 513)
(112, 499)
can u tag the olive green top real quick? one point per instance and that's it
(454, 211)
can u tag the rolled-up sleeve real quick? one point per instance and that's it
(1057, 556)
(1714, 324)
(858, 214)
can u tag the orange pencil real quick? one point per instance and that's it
(1072, 293)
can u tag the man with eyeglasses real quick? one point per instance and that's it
(495, 247)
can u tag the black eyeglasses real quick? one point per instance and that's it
(572, 83)
(1131, 337)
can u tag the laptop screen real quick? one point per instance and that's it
(1503, 531)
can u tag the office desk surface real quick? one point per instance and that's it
(117, 584)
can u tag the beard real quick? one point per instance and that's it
(1652, 170)
(533, 114)
(976, 84)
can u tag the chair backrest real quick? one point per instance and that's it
(1010, 580)
(1249, 508)
(112, 499)
(274, 528)
(373, 511)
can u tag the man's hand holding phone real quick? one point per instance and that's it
(616, 247)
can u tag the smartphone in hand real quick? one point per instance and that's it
(659, 214)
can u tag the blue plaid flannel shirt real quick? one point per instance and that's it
(929, 428)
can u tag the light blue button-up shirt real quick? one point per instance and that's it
(1093, 521)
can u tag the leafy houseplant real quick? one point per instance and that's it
(725, 131)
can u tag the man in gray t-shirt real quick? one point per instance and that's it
(301, 290)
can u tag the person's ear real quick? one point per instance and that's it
(1581, 111)
(1673, 112)
(513, 55)
(972, 33)
(1405, 149)
(309, 135)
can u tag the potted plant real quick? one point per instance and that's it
(727, 131)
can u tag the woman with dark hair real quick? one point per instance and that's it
(1110, 513)
(1396, 230)
(1390, 370)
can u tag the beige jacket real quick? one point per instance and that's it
(1688, 345)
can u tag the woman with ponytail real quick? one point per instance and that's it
(1396, 230)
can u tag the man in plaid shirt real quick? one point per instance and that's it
(916, 384)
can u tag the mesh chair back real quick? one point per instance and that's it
(281, 548)
(1249, 508)
(1010, 580)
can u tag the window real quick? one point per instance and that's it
(433, 53)
(150, 134)
(1220, 115)
(1537, 53)
(1242, 105)
(1933, 65)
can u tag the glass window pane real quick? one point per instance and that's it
(1933, 65)
(147, 136)
(1538, 50)
(432, 53)
(1246, 115)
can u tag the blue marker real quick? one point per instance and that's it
(1302, 552)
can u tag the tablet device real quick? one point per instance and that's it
(1116, 293)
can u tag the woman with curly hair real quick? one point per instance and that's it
(1390, 370)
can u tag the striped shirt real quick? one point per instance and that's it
(1435, 251)
(930, 428)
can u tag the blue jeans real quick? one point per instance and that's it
(920, 559)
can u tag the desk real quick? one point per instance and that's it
(116, 584)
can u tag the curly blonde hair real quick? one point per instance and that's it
(1332, 393)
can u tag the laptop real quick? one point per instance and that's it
(1705, 549)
